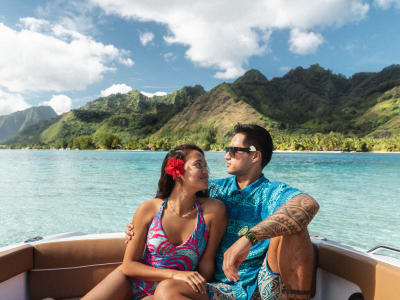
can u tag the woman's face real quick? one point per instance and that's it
(196, 171)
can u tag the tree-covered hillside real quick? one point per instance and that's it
(353, 114)
(307, 109)
(111, 120)
(316, 100)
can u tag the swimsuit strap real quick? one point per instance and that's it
(199, 211)
(160, 211)
(201, 223)
(163, 204)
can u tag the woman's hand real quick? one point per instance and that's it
(129, 233)
(192, 278)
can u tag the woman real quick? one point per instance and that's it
(176, 234)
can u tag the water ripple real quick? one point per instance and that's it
(47, 192)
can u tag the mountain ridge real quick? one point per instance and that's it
(123, 114)
(16, 122)
(305, 101)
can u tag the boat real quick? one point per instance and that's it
(67, 266)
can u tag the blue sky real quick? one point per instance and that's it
(66, 53)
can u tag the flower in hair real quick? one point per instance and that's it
(175, 167)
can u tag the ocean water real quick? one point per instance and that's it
(45, 192)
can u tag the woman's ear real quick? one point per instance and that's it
(179, 179)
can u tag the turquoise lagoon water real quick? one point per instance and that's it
(45, 192)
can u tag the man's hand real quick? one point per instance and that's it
(234, 256)
(129, 233)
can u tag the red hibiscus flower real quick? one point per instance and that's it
(175, 167)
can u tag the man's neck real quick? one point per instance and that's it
(245, 180)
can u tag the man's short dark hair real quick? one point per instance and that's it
(258, 137)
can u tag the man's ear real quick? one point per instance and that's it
(257, 156)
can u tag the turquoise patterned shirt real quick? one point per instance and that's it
(247, 207)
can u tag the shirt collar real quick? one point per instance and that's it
(251, 187)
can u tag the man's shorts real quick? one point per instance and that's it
(268, 286)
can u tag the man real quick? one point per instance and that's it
(273, 256)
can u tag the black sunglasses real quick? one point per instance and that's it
(233, 150)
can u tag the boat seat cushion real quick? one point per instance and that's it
(376, 279)
(69, 269)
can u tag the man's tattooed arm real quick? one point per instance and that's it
(291, 217)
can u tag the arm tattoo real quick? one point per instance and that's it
(290, 218)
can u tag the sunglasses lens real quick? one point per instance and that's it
(231, 151)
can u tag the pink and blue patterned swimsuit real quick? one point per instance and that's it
(161, 253)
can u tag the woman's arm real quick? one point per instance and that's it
(215, 211)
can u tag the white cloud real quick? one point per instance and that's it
(146, 37)
(33, 24)
(10, 103)
(169, 56)
(159, 93)
(46, 57)
(76, 15)
(126, 61)
(116, 89)
(386, 4)
(304, 42)
(60, 103)
(284, 68)
(224, 34)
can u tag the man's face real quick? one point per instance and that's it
(239, 163)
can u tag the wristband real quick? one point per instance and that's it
(250, 235)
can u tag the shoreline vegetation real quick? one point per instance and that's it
(215, 151)
(209, 141)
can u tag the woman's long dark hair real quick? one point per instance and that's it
(166, 183)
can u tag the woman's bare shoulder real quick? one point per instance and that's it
(214, 212)
(212, 205)
(148, 209)
(155, 203)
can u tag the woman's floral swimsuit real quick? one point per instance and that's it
(161, 253)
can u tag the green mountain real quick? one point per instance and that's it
(382, 119)
(16, 122)
(211, 117)
(304, 101)
(316, 100)
(305, 109)
(119, 116)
